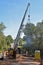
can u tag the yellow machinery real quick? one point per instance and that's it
(37, 55)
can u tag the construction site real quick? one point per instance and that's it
(17, 55)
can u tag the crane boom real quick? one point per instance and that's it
(19, 31)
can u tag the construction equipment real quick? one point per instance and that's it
(21, 26)
(19, 31)
(37, 55)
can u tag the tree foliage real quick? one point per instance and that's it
(36, 34)
(2, 37)
(2, 27)
(29, 29)
(4, 41)
(9, 39)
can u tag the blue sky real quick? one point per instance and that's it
(12, 11)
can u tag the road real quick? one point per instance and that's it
(20, 60)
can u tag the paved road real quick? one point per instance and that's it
(21, 60)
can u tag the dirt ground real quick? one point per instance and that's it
(20, 60)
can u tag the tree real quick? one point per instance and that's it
(2, 37)
(36, 34)
(39, 34)
(9, 39)
(29, 29)
(2, 27)
(29, 33)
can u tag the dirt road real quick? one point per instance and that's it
(21, 60)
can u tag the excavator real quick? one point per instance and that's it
(12, 51)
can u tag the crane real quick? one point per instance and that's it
(21, 26)
(12, 52)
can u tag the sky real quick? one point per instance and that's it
(12, 11)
